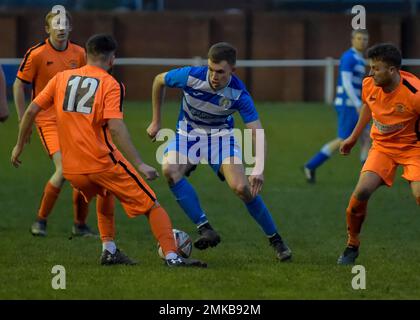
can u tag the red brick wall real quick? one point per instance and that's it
(257, 35)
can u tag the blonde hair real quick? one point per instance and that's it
(51, 15)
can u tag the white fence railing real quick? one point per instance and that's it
(328, 64)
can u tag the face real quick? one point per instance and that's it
(59, 34)
(381, 72)
(219, 73)
(360, 41)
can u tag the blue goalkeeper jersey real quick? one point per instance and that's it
(351, 61)
(206, 109)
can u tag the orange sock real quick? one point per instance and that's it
(162, 229)
(80, 208)
(355, 214)
(48, 199)
(105, 212)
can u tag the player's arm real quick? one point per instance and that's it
(175, 78)
(44, 100)
(259, 145)
(19, 97)
(121, 137)
(25, 129)
(4, 110)
(349, 89)
(158, 95)
(364, 118)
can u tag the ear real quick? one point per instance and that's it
(111, 60)
(233, 68)
(47, 29)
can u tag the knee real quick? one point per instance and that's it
(171, 173)
(363, 194)
(242, 191)
(417, 200)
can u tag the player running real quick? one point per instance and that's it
(88, 104)
(347, 103)
(211, 94)
(391, 98)
(39, 65)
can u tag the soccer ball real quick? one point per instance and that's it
(183, 243)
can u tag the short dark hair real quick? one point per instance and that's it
(222, 51)
(385, 52)
(101, 46)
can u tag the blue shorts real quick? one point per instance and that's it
(205, 149)
(347, 120)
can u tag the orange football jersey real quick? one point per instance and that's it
(395, 114)
(42, 62)
(84, 99)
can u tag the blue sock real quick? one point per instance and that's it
(260, 213)
(188, 200)
(317, 160)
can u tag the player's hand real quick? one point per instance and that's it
(347, 145)
(256, 182)
(149, 172)
(152, 130)
(15, 156)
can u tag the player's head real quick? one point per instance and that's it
(385, 63)
(359, 39)
(58, 31)
(100, 50)
(221, 62)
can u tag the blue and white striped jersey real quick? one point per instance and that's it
(351, 61)
(207, 109)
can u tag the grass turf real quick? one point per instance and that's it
(243, 266)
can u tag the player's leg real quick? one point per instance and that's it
(234, 173)
(415, 188)
(137, 198)
(80, 213)
(161, 227)
(49, 138)
(111, 255)
(185, 195)
(175, 166)
(319, 158)
(379, 169)
(105, 213)
(411, 172)
(346, 120)
(49, 197)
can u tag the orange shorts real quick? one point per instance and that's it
(49, 137)
(384, 164)
(123, 181)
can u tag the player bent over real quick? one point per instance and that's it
(211, 94)
(391, 98)
(88, 103)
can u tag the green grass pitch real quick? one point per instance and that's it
(243, 266)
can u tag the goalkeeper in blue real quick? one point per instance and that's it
(210, 96)
(347, 104)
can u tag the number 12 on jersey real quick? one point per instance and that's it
(80, 94)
